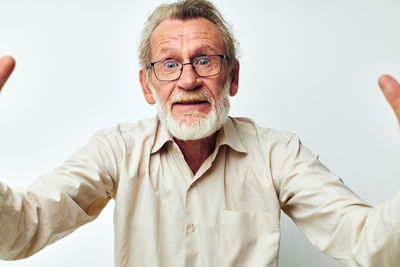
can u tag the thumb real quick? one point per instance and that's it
(7, 64)
(391, 89)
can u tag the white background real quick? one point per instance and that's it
(309, 67)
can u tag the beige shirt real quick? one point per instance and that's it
(227, 214)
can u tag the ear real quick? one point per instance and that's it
(145, 88)
(234, 80)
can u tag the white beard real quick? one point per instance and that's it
(194, 125)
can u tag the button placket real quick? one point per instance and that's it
(191, 228)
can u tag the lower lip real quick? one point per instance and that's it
(202, 107)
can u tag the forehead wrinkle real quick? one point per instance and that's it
(187, 36)
(201, 49)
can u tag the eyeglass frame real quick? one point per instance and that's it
(222, 56)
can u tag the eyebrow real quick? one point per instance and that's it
(203, 50)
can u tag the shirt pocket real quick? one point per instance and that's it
(248, 239)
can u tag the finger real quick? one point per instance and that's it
(391, 89)
(7, 64)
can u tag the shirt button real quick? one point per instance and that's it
(191, 228)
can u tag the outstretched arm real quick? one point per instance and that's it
(7, 65)
(58, 202)
(333, 218)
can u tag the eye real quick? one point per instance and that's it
(202, 61)
(170, 64)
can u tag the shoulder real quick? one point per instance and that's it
(142, 127)
(138, 130)
(126, 136)
(248, 129)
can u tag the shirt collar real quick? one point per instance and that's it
(161, 137)
(227, 135)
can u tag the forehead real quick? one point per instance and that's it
(189, 35)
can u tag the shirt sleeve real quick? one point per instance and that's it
(332, 217)
(57, 203)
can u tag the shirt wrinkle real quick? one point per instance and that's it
(228, 215)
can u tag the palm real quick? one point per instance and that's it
(7, 64)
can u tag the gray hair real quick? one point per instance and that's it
(186, 10)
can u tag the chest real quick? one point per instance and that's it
(227, 212)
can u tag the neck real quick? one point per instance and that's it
(196, 152)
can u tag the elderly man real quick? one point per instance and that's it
(195, 187)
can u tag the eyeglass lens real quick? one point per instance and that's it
(204, 66)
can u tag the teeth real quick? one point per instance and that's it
(192, 98)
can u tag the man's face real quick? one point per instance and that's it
(191, 103)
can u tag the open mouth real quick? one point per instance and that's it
(190, 107)
(191, 102)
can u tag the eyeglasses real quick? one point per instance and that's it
(204, 66)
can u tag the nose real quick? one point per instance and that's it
(189, 79)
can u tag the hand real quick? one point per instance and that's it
(7, 65)
(391, 89)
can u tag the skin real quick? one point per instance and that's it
(391, 89)
(7, 64)
(185, 40)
